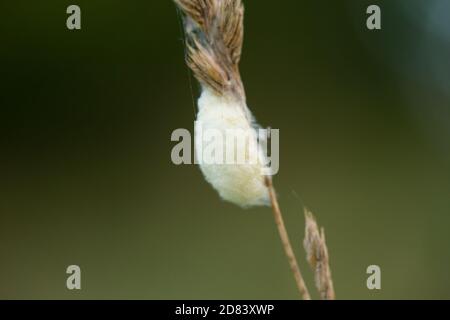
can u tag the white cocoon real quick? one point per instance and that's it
(241, 184)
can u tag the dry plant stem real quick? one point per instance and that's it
(286, 242)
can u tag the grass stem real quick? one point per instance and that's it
(304, 293)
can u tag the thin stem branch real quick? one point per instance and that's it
(286, 242)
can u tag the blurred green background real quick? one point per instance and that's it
(86, 176)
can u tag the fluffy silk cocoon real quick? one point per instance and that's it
(241, 184)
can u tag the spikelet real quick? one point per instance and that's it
(214, 36)
(317, 256)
